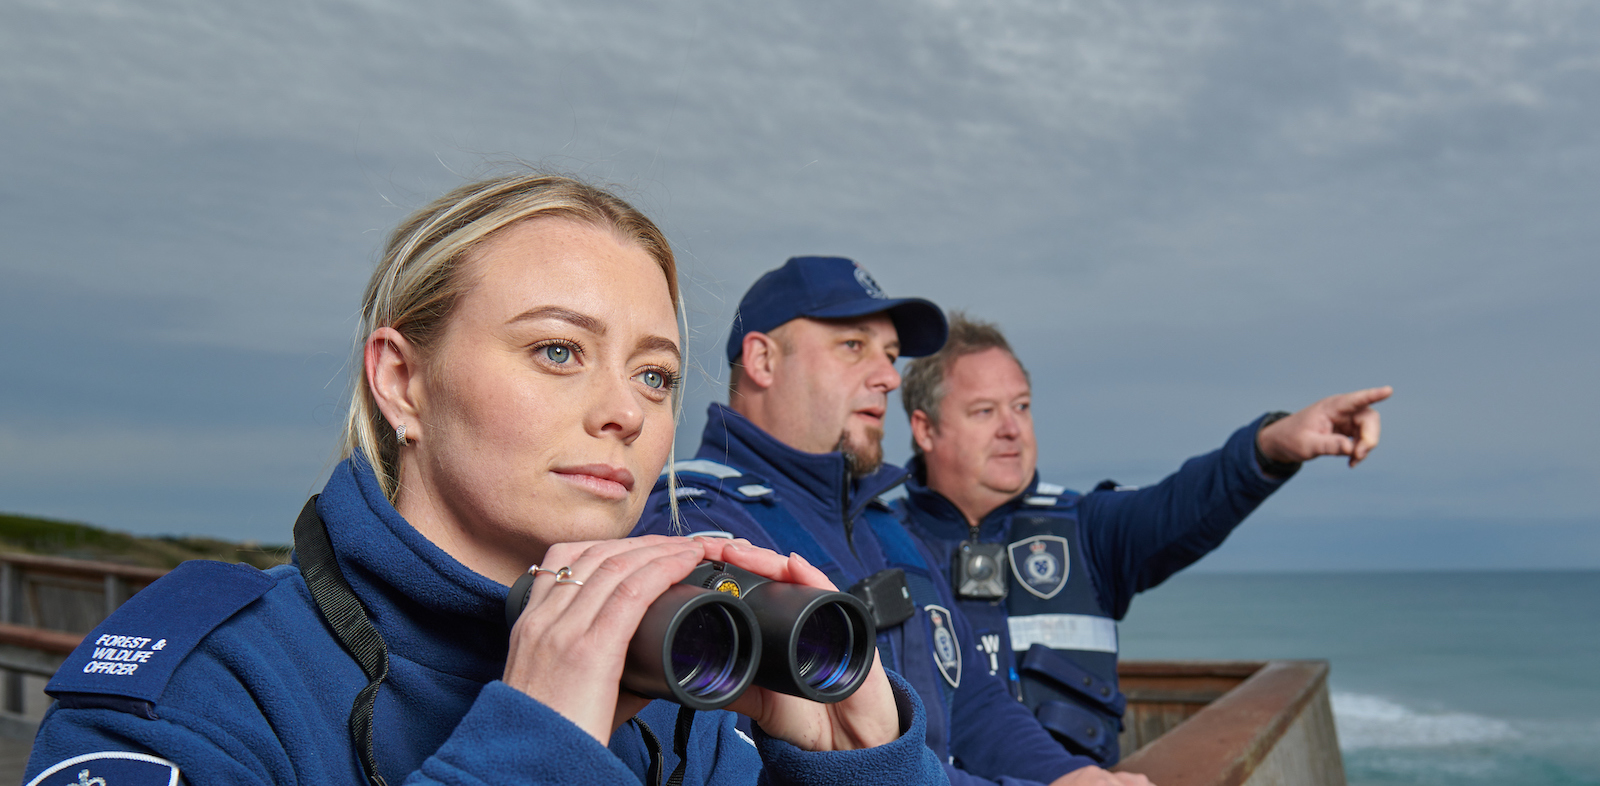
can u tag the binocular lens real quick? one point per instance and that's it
(705, 652)
(701, 647)
(824, 649)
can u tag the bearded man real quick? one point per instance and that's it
(794, 462)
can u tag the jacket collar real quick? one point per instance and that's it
(940, 517)
(428, 607)
(818, 480)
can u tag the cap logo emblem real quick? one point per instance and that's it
(865, 280)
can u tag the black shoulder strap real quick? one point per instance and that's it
(350, 624)
(652, 744)
(681, 745)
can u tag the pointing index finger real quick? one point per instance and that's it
(1356, 400)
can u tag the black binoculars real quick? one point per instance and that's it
(708, 637)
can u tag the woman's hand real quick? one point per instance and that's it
(867, 719)
(569, 646)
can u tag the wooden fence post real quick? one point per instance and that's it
(11, 696)
(113, 593)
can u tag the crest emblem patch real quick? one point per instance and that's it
(118, 768)
(946, 649)
(1040, 564)
(865, 280)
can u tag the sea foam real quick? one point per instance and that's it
(1375, 722)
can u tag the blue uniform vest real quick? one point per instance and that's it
(1056, 621)
(1051, 635)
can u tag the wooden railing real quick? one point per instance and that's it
(47, 604)
(1189, 723)
(1196, 723)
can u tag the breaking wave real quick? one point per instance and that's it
(1373, 722)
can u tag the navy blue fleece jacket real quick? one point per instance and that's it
(974, 724)
(224, 674)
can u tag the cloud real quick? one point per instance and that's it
(1184, 213)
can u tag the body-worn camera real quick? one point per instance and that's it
(981, 570)
(708, 637)
(888, 597)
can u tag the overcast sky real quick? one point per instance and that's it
(1184, 213)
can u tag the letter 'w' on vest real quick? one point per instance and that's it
(989, 644)
(1040, 564)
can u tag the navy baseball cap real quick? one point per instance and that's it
(833, 288)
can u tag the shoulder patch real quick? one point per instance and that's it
(1111, 485)
(110, 768)
(134, 652)
(703, 477)
(1051, 495)
(707, 467)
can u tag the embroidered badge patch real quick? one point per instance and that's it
(867, 284)
(1040, 564)
(134, 652)
(946, 650)
(110, 768)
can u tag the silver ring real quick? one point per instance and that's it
(564, 576)
(536, 570)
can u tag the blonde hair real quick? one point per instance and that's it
(420, 278)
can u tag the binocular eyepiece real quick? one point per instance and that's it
(708, 637)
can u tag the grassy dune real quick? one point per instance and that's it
(81, 541)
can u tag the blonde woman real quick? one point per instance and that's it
(513, 408)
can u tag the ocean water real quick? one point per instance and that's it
(1437, 678)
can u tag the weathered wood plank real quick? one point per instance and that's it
(1307, 754)
(1275, 728)
(54, 642)
(89, 569)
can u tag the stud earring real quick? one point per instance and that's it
(400, 433)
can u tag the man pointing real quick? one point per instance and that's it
(1044, 573)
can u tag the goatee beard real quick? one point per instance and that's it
(862, 459)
